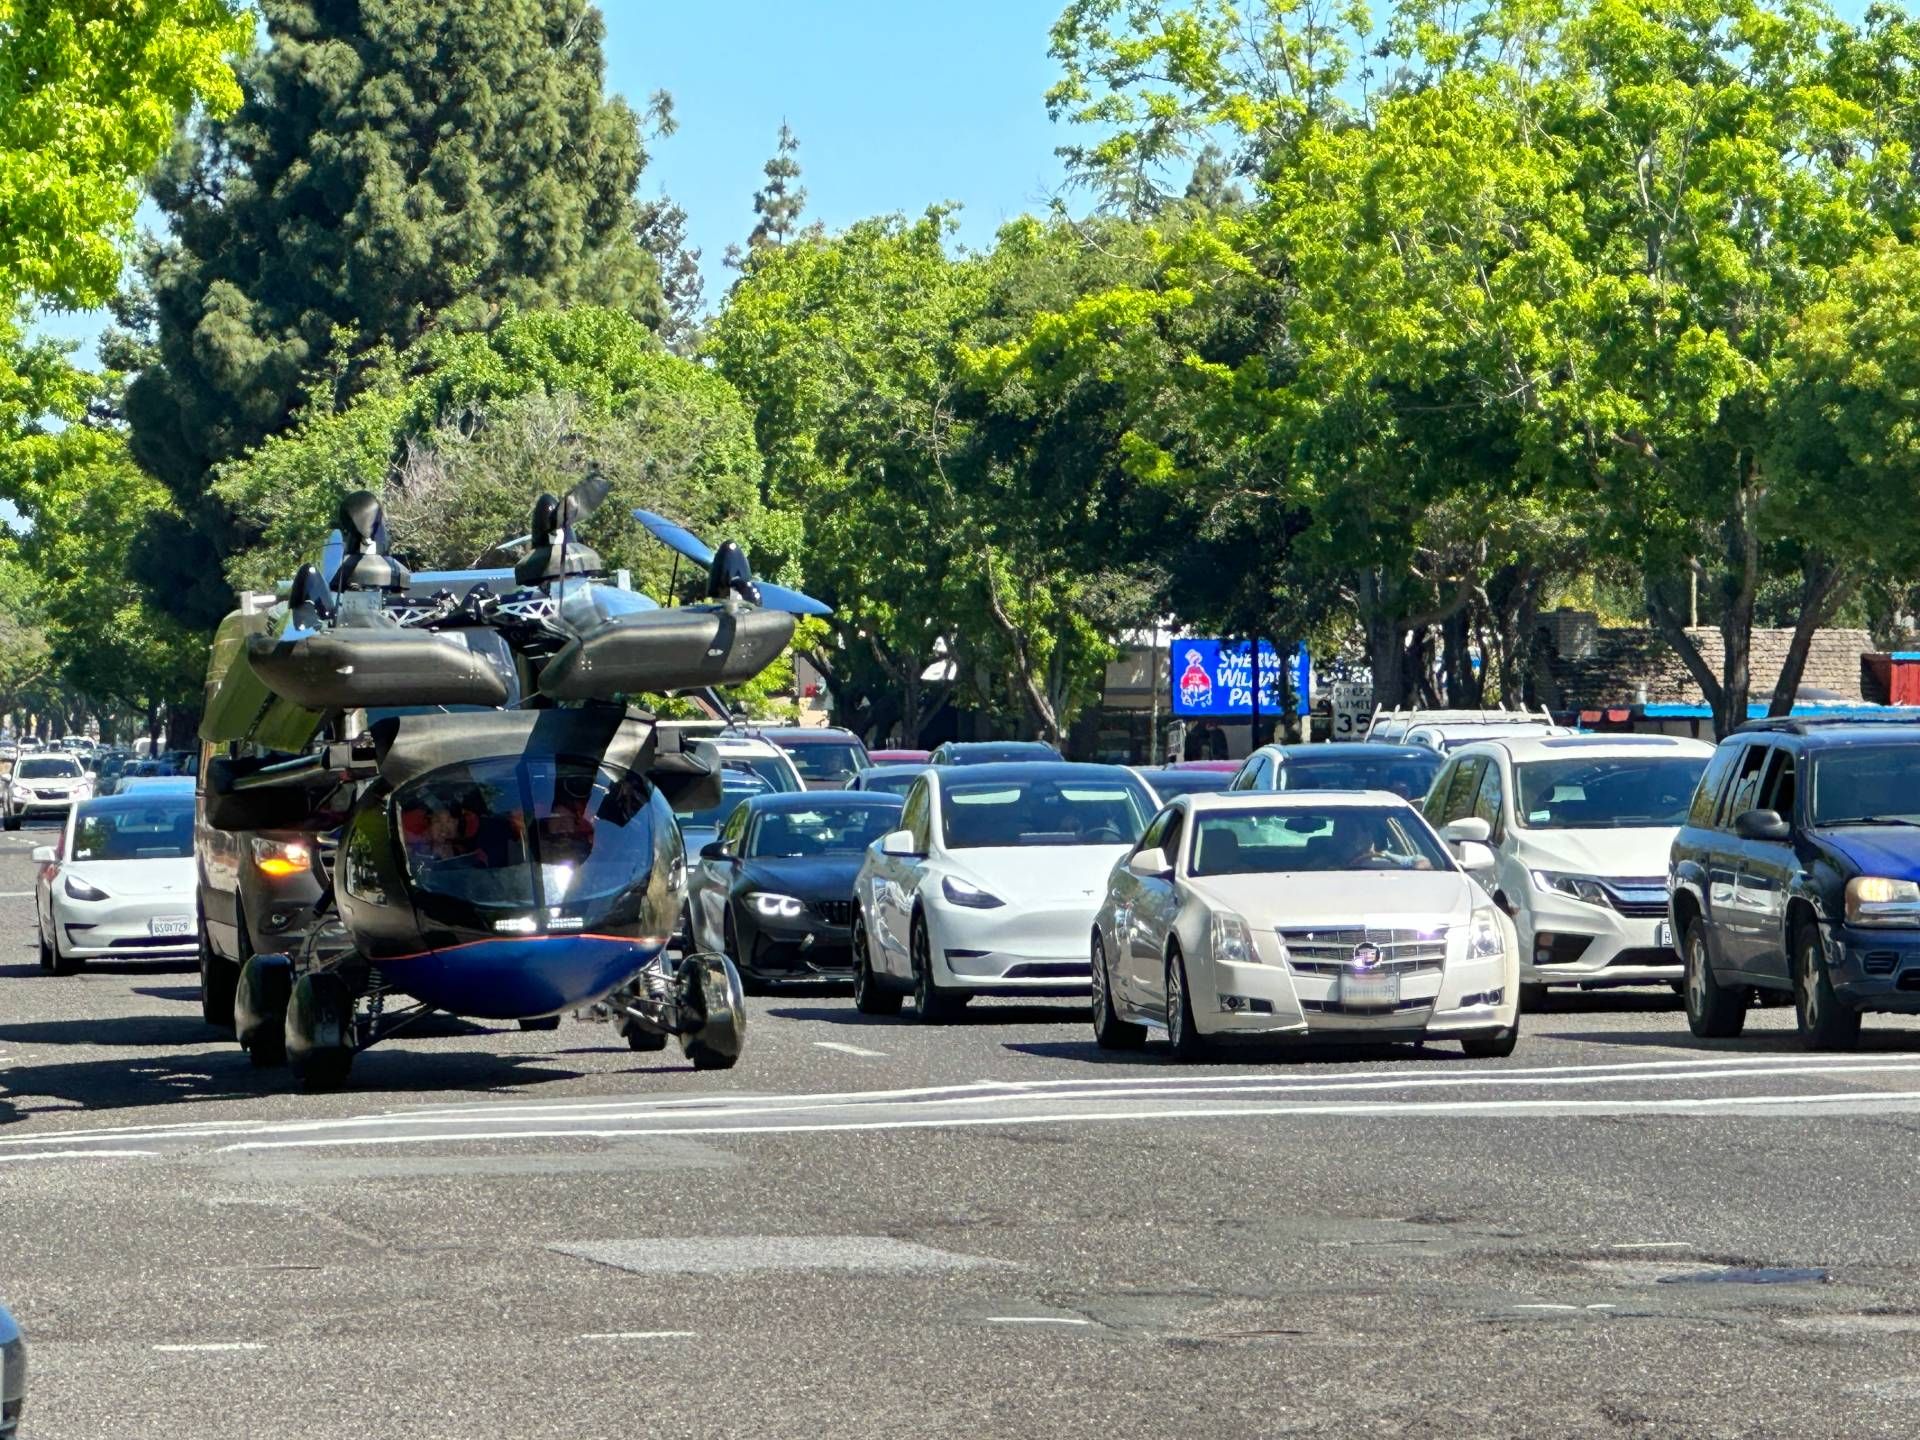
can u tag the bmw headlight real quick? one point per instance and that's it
(1580, 887)
(959, 892)
(1232, 940)
(779, 907)
(1484, 940)
(1877, 900)
(78, 889)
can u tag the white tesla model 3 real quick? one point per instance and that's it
(1306, 914)
(122, 884)
(990, 884)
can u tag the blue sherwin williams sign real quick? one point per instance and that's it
(1213, 679)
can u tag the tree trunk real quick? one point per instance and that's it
(1825, 585)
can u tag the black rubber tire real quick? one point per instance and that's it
(1533, 997)
(645, 1041)
(705, 1057)
(869, 998)
(320, 1002)
(321, 1070)
(1714, 1011)
(1492, 1047)
(931, 1004)
(219, 977)
(1186, 1041)
(269, 1048)
(46, 953)
(1825, 1021)
(540, 1022)
(63, 964)
(12, 822)
(1110, 1032)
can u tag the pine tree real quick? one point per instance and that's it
(781, 200)
(662, 232)
(398, 166)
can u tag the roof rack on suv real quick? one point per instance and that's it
(1398, 722)
(1805, 724)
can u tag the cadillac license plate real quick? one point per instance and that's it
(170, 925)
(1370, 991)
(1663, 935)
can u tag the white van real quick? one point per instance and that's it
(1581, 826)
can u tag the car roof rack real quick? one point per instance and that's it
(1807, 724)
(1407, 719)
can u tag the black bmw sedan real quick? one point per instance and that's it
(775, 891)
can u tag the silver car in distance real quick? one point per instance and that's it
(1310, 915)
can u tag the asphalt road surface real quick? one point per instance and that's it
(871, 1228)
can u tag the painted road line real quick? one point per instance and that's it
(644, 1335)
(1547, 1307)
(81, 1155)
(16, 894)
(1654, 1245)
(1036, 1320)
(850, 1049)
(226, 1347)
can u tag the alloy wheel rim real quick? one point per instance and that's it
(1176, 1003)
(1099, 982)
(922, 980)
(1696, 977)
(1809, 989)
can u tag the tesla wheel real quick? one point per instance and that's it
(868, 997)
(62, 964)
(1185, 1038)
(932, 1004)
(1110, 1032)
(1714, 1011)
(46, 952)
(1826, 1021)
(540, 1022)
(1497, 1046)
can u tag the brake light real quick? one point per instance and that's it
(281, 858)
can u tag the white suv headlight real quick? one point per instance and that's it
(1484, 939)
(1232, 940)
(1580, 887)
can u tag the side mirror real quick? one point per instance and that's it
(1467, 829)
(1475, 857)
(715, 850)
(45, 855)
(899, 844)
(1149, 865)
(1761, 825)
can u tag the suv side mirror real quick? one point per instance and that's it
(900, 845)
(1149, 865)
(1761, 825)
(1468, 828)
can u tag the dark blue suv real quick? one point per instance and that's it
(1798, 870)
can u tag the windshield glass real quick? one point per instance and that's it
(1169, 783)
(1606, 793)
(161, 830)
(978, 815)
(782, 833)
(773, 770)
(1267, 842)
(735, 786)
(1408, 776)
(1876, 782)
(526, 831)
(986, 753)
(47, 767)
(888, 780)
(826, 761)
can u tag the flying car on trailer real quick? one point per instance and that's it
(492, 819)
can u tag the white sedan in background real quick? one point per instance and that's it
(121, 884)
(1302, 914)
(990, 884)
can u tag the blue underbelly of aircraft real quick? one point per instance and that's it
(516, 977)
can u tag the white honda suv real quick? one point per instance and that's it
(1580, 827)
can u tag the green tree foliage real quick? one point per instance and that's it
(397, 169)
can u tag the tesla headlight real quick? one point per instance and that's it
(1580, 887)
(783, 907)
(1876, 900)
(1484, 940)
(959, 892)
(1232, 940)
(78, 889)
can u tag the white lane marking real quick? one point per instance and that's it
(1546, 1307)
(1036, 1320)
(1654, 1245)
(1699, 1105)
(223, 1348)
(644, 1335)
(81, 1155)
(1600, 1307)
(851, 1049)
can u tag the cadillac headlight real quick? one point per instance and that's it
(78, 889)
(959, 892)
(1876, 900)
(1232, 940)
(1484, 940)
(779, 907)
(1580, 887)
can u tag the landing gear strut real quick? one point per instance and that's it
(700, 1000)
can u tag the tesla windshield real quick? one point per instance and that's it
(788, 833)
(1267, 842)
(1875, 782)
(160, 830)
(1048, 811)
(1408, 776)
(1606, 792)
(891, 779)
(522, 831)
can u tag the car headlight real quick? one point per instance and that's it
(1876, 900)
(281, 858)
(1580, 887)
(784, 907)
(959, 892)
(1484, 939)
(1232, 940)
(78, 889)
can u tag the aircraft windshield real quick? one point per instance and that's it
(527, 831)
(160, 831)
